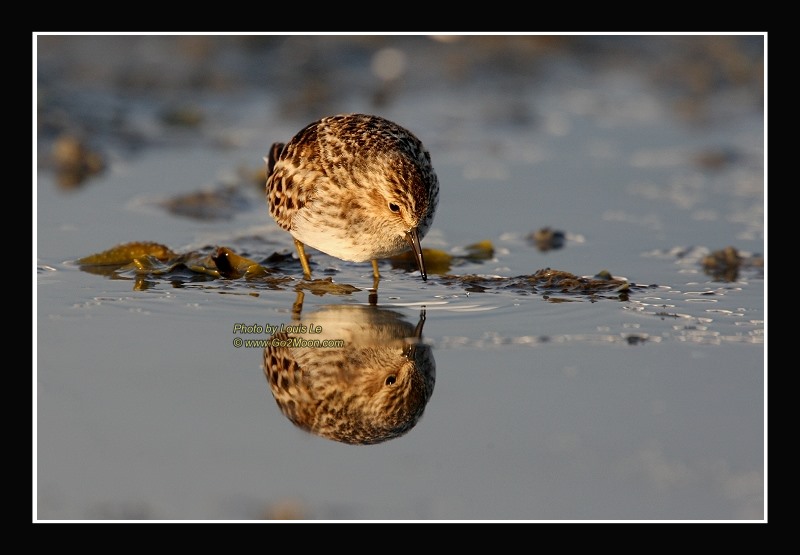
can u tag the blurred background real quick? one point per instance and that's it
(124, 93)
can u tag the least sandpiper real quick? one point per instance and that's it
(357, 187)
(354, 374)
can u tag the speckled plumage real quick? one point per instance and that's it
(357, 187)
(372, 389)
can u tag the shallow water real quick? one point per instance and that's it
(648, 152)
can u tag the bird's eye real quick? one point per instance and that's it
(391, 379)
(394, 208)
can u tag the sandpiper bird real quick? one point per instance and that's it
(357, 187)
(350, 373)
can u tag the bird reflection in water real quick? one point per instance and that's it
(373, 388)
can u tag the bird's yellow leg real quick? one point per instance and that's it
(376, 278)
(301, 252)
(376, 274)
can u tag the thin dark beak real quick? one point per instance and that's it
(413, 238)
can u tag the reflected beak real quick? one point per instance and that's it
(411, 348)
(413, 239)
